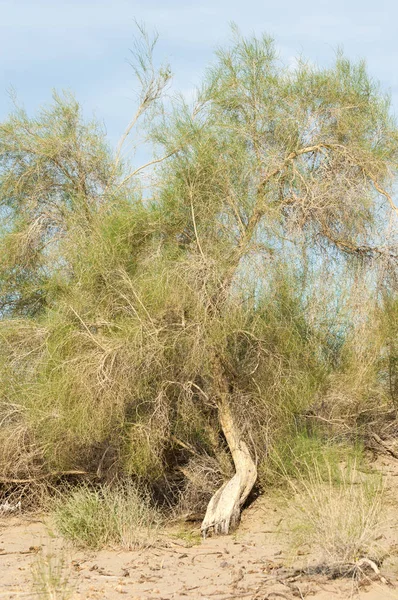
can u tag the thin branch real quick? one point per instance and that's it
(140, 111)
(88, 330)
(142, 167)
(385, 194)
(195, 228)
(43, 476)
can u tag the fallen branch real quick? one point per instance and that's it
(372, 565)
(43, 476)
(30, 551)
(332, 571)
(384, 445)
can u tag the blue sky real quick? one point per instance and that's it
(83, 45)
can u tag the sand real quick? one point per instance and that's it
(254, 563)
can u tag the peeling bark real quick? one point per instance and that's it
(224, 508)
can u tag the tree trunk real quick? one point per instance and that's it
(223, 510)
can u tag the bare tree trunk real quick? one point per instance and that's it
(223, 510)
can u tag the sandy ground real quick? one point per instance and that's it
(252, 563)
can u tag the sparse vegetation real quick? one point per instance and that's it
(51, 576)
(297, 456)
(188, 537)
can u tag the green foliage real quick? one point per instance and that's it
(388, 360)
(53, 171)
(107, 516)
(129, 305)
(296, 456)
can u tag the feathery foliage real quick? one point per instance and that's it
(130, 306)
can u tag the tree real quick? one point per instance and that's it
(168, 323)
(301, 155)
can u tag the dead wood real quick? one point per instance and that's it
(386, 447)
(223, 510)
(42, 477)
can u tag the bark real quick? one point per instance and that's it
(224, 508)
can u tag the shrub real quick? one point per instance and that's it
(201, 305)
(107, 516)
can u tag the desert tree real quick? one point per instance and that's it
(149, 320)
(277, 157)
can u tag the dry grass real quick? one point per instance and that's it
(340, 519)
(51, 576)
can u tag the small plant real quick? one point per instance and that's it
(189, 537)
(107, 516)
(340, 518)
(51, 577)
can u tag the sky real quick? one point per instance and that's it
(84, 45)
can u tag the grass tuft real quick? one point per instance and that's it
(292, 456)
(340, 519)
(107, 516)
(51, 577)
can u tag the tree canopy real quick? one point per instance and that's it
(172, 322)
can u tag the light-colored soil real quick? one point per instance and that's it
(252, 563)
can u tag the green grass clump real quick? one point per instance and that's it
(107, 516)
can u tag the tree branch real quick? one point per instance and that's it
(43, 476)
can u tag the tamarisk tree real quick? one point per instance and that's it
(137, 328)
(276, 156)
